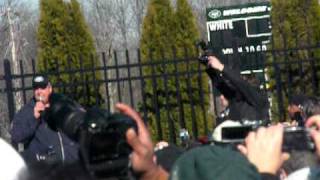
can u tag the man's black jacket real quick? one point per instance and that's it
(246, 102)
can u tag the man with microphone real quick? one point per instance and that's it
(32, 136)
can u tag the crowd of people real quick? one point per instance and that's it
(50, 154)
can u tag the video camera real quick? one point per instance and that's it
(294, 138)
(206, 52)
(100, 134)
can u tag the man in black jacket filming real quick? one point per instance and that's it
(246, 102)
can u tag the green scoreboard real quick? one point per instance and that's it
(240, 34)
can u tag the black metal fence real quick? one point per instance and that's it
(286, 72)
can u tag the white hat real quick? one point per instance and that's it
(11, 162)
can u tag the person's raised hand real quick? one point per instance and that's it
(215, 63)
(142, 157)
(263, 148)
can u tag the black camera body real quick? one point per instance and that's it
(294, 138)
(206, 52)
(203, 59)
(237, 131)
(101, 135)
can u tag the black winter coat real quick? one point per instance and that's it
(246, 102)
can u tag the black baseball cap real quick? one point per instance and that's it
(40, 81)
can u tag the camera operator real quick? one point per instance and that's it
(246, 102)
(31, 132)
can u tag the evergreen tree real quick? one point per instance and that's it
(295, 23)
(157, 30)
(156, 43)
(64, 39)
(165, 36)
(187, 34)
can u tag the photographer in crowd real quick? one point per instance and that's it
(30, 132)
(245, 101)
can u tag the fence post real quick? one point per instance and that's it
(117, 75)
(142, 84)
(9, 88)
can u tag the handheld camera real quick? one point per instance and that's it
(101, 135)
(207, 51)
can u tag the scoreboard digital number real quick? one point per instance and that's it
(239, 29)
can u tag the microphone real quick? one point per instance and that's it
(40, 99)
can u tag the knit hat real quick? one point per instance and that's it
(213, 162)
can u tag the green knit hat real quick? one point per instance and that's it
(213, 162)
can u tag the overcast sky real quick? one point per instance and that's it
(33, 3)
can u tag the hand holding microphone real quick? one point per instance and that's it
(40, 106)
